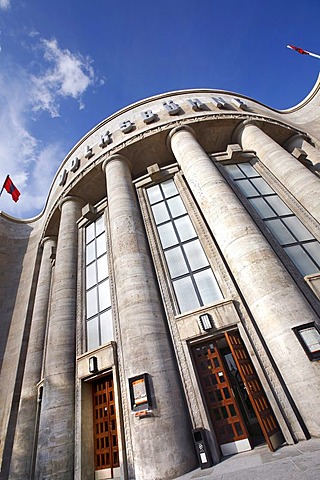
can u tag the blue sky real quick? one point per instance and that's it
(67, 65)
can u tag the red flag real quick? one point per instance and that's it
(11, 188)
(299, 50)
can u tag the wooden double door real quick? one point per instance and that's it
(239, 410)
(106, 450)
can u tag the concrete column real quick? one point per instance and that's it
(273, 298)
(55, 450)
(302, 183)
(312, 154)
(22, 454)
(162, 443)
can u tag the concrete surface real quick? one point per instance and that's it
(290, 462)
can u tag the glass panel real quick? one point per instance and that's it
(224, 412)
(154, 194)
(311, 338)
(278, 205)
(92, 302)
(238, 429)
(104, 295)
(169, 188)
(248, 169)
(102, 266)
(91, 275)
(90, 252)
(92, 334)
(262, 186)
(99, 226)
(226, 393)
(101, 245)
(167, 235)
(186, 295)
(301, 260)
(217, 414)
(208, 287)
(247, 188)
(195, 255)
(234, 171)
(313, 248)
(185, 228)
(281, 233)
(176, 206)
(298, 229)
(106, 326)
(176, 262)
(90, 233)
(262, 207)
(232, 411)
(160, 212)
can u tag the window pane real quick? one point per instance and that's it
(176, 262)
(169, 188)
(160, 212)
(234, 171)
(104, 295)
(248, 169)
(99, 226)
(278, 205)
(311, 338)
(92, 334)
(298, 229)
(262, 207)
(195, 255)
(185, 228)
(301, 260)
(101, 245)
(91, 275)
(90, 233)
(261, 186)
(154, 194)
(102, 266)
(208, 287)
(281, 233)
(313, 248)
(176, 206)
(167, 235)
(247, 188)
(90, 252)
(106, 327)
(186, 295)
(92, 302)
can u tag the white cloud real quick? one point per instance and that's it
(5, 4)
(69, 75)
(31, 163)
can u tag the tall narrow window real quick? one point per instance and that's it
(98, 302)
(299, 244)
(192, 278)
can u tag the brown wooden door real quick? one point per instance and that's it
(225, 415)
(265, 415)
(106, 450)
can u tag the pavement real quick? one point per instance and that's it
(289, 462)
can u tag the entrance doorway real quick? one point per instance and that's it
(106, 450)
(239, 410)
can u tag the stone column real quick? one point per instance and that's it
(23, 448)
(272, 297)
(302, 183)
(312, 154)
(55, 449)
(162, 443)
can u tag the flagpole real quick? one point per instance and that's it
(3, 185)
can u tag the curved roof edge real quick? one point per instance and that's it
(309, 98)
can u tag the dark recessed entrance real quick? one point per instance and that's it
(239, 410)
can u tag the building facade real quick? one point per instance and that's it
(167, 297)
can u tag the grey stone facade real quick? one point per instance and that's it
(185, 204)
